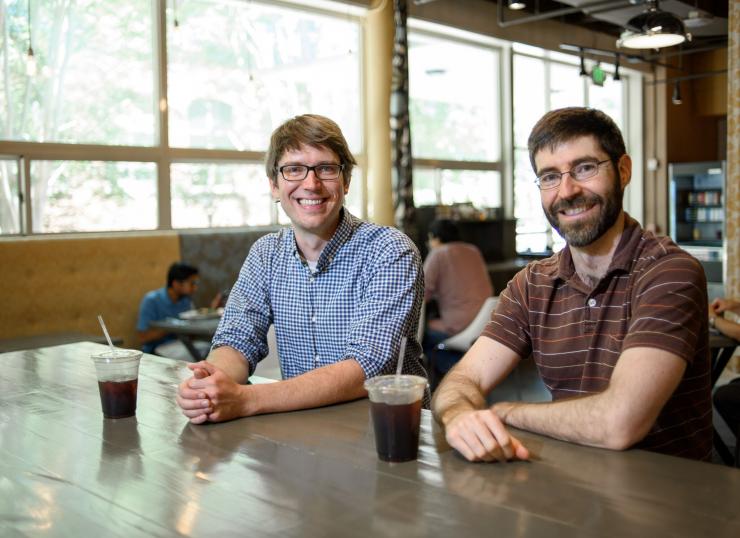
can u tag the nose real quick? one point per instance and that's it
(311, 180)
(568, 187)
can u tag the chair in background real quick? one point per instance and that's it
(459, 343)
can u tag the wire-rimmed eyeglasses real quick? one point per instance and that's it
(580, 172)
(299, 172)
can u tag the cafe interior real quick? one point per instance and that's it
(134, 135)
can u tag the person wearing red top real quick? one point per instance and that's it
(457, 280)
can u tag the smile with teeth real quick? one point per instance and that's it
(310, 201)
(573, 211)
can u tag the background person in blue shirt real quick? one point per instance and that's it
(168, 302)
(340, 292)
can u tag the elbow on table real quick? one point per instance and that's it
(625, 432)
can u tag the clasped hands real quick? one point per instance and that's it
(480, 435)
(210, 395)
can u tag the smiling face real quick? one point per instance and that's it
(312, 205)
(582, 212)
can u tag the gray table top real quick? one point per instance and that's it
(196, 328)
(66, 471)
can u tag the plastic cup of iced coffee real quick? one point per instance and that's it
(118, 378)
(395, 406)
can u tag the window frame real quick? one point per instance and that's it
(161, 153)
(631, 82)
(437, 166)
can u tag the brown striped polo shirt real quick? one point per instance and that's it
(653, 295)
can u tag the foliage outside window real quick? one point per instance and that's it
(235, 71)
(455, 120)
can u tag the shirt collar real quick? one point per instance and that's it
(347, 224)
(623, 254)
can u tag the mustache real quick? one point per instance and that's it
(564, 204)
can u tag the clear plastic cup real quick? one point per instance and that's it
(118, 379)
(395, 405)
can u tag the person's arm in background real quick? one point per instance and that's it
(431, 276)
(717, 319)
(147, 314)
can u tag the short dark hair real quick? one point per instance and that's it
(445, 230)
(309, 130)
(565, 124)
(180, 271)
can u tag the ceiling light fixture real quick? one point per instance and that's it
(616, 67)
(676, 98)
(30, 58)
(653, 29)
(516, 5)
(583, 72)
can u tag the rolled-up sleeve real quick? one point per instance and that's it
(389, 308)
(247, 315)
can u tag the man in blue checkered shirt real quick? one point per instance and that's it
(340, 292)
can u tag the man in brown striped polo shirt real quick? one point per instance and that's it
(616, 322)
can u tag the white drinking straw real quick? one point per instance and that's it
(107, 336)
(401, 353)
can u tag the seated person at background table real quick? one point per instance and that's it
(727, 397)
(613, 321)
(340, 292)
(456, 278)
(169, 302)
(717, 317)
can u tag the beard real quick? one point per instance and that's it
(585, 232)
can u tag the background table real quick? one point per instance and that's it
(188, 330)
(66, 471)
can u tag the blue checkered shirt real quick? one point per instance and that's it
(364, 295)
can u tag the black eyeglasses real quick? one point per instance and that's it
(580, 172)
(299, 172)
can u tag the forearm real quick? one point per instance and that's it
(339, 382)
(727, 327)
(232, 362)
(458, 394)
(584, 420)
(151, 334)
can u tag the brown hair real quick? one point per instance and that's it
(565, 124)
(310, 130)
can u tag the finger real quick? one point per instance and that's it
(472, 437)
(456, 442)
(195, 365)
(499, 432)
(491, 446)
(208, 367)
(520, 451)
(200, 419)
(200, 404)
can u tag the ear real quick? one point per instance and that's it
(274, 191)
(346, 184)
(625, 170)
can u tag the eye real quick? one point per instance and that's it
(293, 170)
(585, 169)
(326, 169)
(549, 179)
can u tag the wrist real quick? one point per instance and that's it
(502, 410)
(249, 400)
(712, 322)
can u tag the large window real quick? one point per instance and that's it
(544, 81)
(84, 144)
(455, 117)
